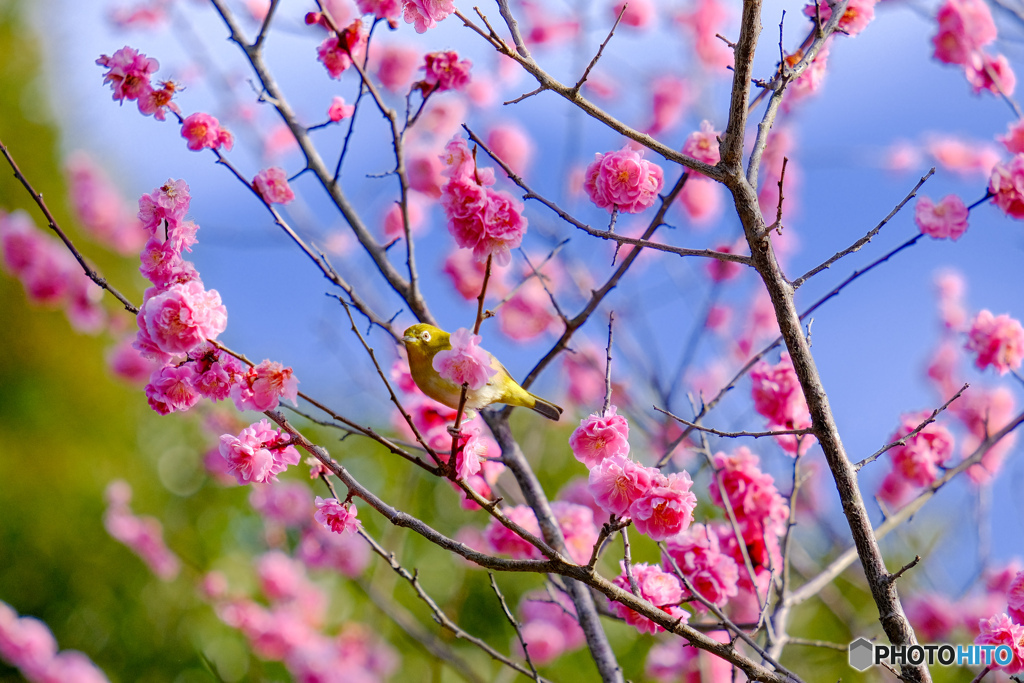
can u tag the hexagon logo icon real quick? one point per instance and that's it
(862, 654)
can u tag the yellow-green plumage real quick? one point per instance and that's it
(423, 341)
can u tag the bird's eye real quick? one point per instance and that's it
(425, 336)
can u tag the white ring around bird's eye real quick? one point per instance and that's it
(426, 335)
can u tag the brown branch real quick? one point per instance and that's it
(733, 435)
(600, 51)
(515, 626)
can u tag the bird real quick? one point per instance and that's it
(423, 341)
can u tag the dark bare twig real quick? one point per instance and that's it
(608, 370)
(627, 562)
(732, 435)
(515, 626)
(600, 50)
(905, 568)
(903, 441)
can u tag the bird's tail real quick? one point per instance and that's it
(546, 408)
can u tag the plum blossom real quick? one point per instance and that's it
(382, 9)
(504, 540)
(396, 65)
(335, 516)
(339, 110)
(998, 341)
(617, 482)
(666, 508)
(1015, 598)
(702, 145)
(426, 13)
(142, 535)
(272, 185)
(1006, 184)
(656, 586)
(511, 144)
(599, 437)
(698, 555)
(336, 54)
(549, 628)
(179, 318)
(759, 508)
(128, 72)
(1014, 138)
(444, 71)
(1001, 630)
(917, 462)
(947, 218)
(965, 26)
(985, 72)
(623, 180)
(638, 13)
(172, 389)
(855, 19)
(204, 132)
(258, 454)
(263, 386)
(465, 362)
(778, 397)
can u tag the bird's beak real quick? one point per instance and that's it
(409, 339)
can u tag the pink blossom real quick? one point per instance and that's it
(465, 362)
(425, 174)
(458, 159)
(1014, 138)
(258, 454)
(948, 218)
(180, 318)
(1000, 630)
(1007, 186)
(933, 615)
(272, 185)
(203, 131)
(719, 270)
(264, 385)
(670, 95)
(855, 19)
(337, 54)
(1015, 598)
(701, 199)
(617, 482)
(466, 273)
(393, 222)
(777, 396)
(345, 553)
(985, 412)
(585, 375)
(465, 205)
(164, 210)
(285, 503)
(666, 508)
(577, 525)
(813, 77)
(512, 145)
(504, 540)
(638, 14)
(396, 66)
(998, 341)
(70, 666)
(919, 459)
(599, 437)
(142, 535)
(547, 28)
(336, 516)
(504, 228)
(985, 72)
(965, 26)
(128, 72)
(444, 71)
(339, 110)
(281, 577)
(426, 13)
(124, 361)
(549, 628)
(702, 145)
(172, 389)
(100, 208)
(382, 9)
(708, 18)
(660, 588)
(216, 371)
(623, 180)
(964, 157)
(21, 242)
(25, 642)
(697, 553)
(577, 491)
(156, 102)
(529, 312)
(757, 504)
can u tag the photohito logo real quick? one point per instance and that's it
(865, 654)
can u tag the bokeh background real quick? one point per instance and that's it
(67, 428)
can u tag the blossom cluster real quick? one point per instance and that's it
(142, 535)
(917, 462)
(576, 522)
(488, 221)
(779, 398)
(998, 341)
(27, 644)
(660, 505)
(290, 628)
(100, 209)
(658, 587)
(129, 73)
(49, 273)
(964, 28)
(1007, 628)
(258, 453)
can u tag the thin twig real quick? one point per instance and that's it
(732, 435)
(608, 369)
(515, 626)
(600, 51)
